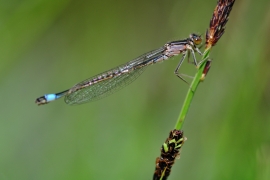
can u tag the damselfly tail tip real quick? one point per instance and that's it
(41, 101)
(47, 98)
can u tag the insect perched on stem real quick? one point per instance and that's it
(112, 80)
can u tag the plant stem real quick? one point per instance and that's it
(190, 94)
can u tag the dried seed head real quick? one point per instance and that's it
(218, 22)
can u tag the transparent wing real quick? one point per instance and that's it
(110, 81)
(102, 89)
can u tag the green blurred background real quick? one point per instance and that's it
(49, 45)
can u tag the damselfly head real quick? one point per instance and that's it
(196, 39)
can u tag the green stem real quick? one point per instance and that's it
(190, 94)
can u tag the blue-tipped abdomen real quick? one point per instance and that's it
(49, 97)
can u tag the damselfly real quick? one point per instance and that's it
(110, 81)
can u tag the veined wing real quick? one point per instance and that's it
(110, 81)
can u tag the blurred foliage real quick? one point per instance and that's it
(47, 46)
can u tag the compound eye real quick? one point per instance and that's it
(197, 40)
